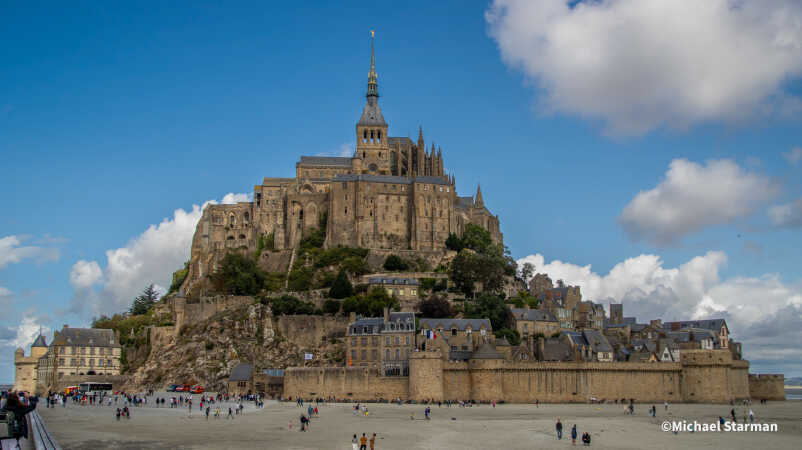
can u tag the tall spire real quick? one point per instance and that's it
(477, 200)
(373, 79)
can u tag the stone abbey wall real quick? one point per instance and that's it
(702, 376)
(353, 383)
(767, 387)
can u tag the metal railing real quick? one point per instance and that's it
(38, 433)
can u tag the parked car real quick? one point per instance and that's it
(183, 388)
(197, 389)
(173, 388)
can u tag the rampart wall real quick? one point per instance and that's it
(701, 376)
(767, 387)
(353, 383)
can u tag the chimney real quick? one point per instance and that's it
(386, 314)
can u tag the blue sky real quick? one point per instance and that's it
(112, 118)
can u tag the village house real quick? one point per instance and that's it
(383, 342)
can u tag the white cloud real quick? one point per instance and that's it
(344, 150)
(640, 65)
(694, 196)
(788, 215)
(151, 257)
(762, 312)
(23, 334)
(11, 251)
(84, 274)
(794, 156)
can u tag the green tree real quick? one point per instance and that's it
(453, 242)
(300, 279)
(527, 271)
(238, 275)
(289, 305)
(341, 288)
(331, 307)
(178, 278)
(144, 301)
(394, 262)
(355, 265)
(512, 336)
(491, 307)
(435, 307)
(476, 238)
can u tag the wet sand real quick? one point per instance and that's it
(482, 427)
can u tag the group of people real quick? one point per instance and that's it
(574, 433)
(362, 442)
(125, 412)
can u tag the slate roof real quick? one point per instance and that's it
(241, 372)
(574, 337)
(376, 324)
(85, 337)
(39, 342)
(486, 351)
(640, 356)
(330, 161)
(533, 314)
(402, 281)
(372, 114)
(389, 179)
(404, 141)
(597, 341)
(555, 349)
(645, 343)
(460, 324)
(464, 202)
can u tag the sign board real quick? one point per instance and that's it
(307, 356)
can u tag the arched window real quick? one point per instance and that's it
(242, 236)
(230, 238)
(387, 354)
(397, 354)
(231, 219)
(365, 136)
(247, 217)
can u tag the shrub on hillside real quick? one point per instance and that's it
(435, 307)
(238, 275)
(331, 307)
(394, 263)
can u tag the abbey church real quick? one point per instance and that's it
(392, 193)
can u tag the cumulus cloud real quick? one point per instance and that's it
(762, 312)
(23, 334)
(150, 257)
(694, 196)
(12, 251)
(788, 215)
(640, 65)
(794, 156)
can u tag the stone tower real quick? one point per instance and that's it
(372, 144)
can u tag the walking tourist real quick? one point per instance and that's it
(363, 442)
(573, 435)
(354, 444)
(373, 442)
(559, 428)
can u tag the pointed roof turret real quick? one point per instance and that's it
(39, 342)
(477, 200)
(420, 136)
(372, 114)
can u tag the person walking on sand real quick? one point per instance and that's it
(354, 444)
(573, 435)
(207, 413)
(363, 442)
(559, 428)
(751, 416)
(373, 442)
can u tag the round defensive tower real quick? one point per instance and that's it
(426, 376)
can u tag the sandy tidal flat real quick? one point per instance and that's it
(482, 427)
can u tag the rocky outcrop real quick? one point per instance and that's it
(204, 352)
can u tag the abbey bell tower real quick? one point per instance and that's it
(371, 131)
